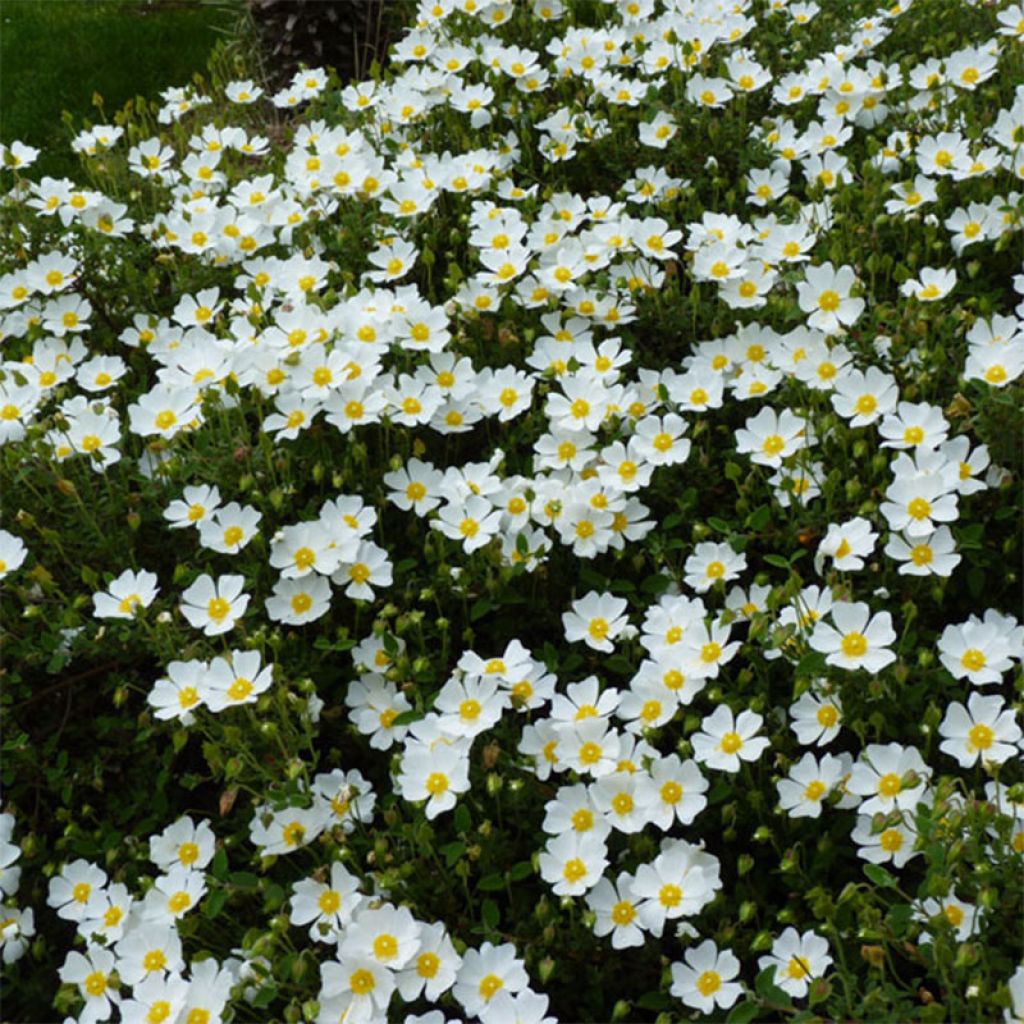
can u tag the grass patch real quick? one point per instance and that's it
(56, 56)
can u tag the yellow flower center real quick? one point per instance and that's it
(623, 913)
(437, 783)
(651, 710)
(919, 508)
(828, 301)
(710, 652)
(179, 902)
(815, 790)
(981, 736)
(470, 710)
(361, 982)
(582, 819)
(427, 965)
(622, 803)
(489, 985)
(158, 1012)
(796, 969)
(890, 840)
(95, 983)
(240, 688)
(854, 645)
(154, 960)
(671, 792)
(385, 947)
(889, 785)
(709, 983)
(827, 715)
(670, 895)
(574, 870)
(973, 660)
(232, 535)
(731, 742)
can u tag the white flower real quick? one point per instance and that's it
(985, 730)
(825, 295)
(573, 862)
(214, 606)
(855, 642)
(704, 979)
(596, 619)
(131, 590)
(724, 742)
(797, 959)
(808, 783)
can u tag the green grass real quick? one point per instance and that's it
(56, 54)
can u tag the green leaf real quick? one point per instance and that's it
(244, 879)
(265, 996)
(654, 1001)
(880, 876)
(480, 608)
(520, 871)
(406, 717)
(390, 644)
(742, 1013)
(811, 664)
(759, 519)
(491, 883)
(593, 579)
(213, 903)
(719, 524)
(490, 914)
(219, 867)
(618, 663)
(767, 989)
(899, 917)
(453, 852)
(463, 822)
(655, 585)
(778, 561)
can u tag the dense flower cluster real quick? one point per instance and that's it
(285, 344)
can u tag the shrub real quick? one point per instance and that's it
(533, 532)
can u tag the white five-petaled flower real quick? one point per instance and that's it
(985, 730)
(855, 642)
(705, 979)
(825, 296)
(797, 960)
(724, 742)
(214, 606)
(596, 619)
(125, 595)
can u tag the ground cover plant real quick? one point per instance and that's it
(530, 535)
